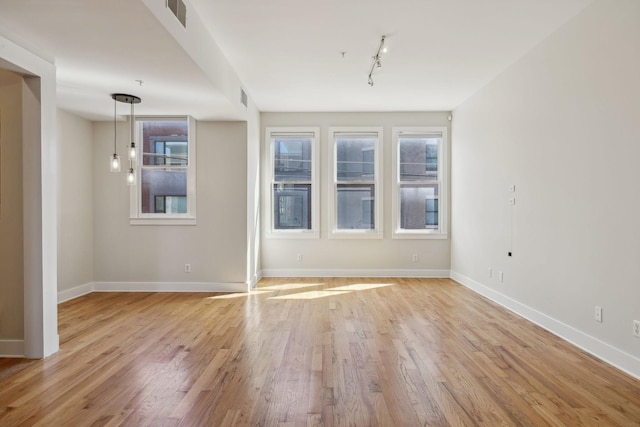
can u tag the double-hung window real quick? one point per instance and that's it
(355, 193)
(420, 187)
(165, 166)
(293, 181)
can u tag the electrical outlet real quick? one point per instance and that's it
(512, 188)
(598, 313)
(187, 268)
(299, 257)
(636, 328)
(414, 258)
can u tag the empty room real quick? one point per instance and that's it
(340, 213)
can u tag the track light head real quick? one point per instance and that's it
(377, 60)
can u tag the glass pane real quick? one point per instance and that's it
(292, 206)
(419, 207)
(419, 159)
(355, 159)
(160, 186)
(165, 143)
(356, 206)
(292, 159)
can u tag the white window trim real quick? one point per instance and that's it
(443, 188)
(378, 232)
(189, 218)
(314, 233)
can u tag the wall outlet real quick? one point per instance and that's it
(636, 328)
(299, 257)
(598, 313)
(187, 268)
(414, 257)
(512, 188)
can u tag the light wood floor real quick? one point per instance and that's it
(316, 352)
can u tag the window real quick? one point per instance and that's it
(355, 201)
(420, 183)
(165, 167)
(293, 185)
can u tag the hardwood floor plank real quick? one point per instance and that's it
(311, 352)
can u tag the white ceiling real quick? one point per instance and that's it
(287, 53)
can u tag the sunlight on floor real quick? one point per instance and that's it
(289, 286)
(303, 295)
(340, 290)
(362, 286)
(240, 295)
(311, 295)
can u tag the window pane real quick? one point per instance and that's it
(292, 159)
(165, 183)
(355, 159)
(164, 143)
(356, 206)
(419, 207)
(292, 206)
(419, 158)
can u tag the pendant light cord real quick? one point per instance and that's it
(115, 130)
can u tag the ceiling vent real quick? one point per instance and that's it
(179, 9)
(243, 97)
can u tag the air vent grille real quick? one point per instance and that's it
(179, 9)
(243, 97)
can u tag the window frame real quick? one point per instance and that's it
(293, 233)
(136, 217)
(442, 182)
(378, 231)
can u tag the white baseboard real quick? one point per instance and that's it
(607, 353)
(169, 287)
(12, 348)
(88, 288)
(254, 281)
(78, 291)
(301, 272)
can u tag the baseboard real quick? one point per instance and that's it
(12, 348)
(607, 353)
(254, 281)
(301, 272)
(169, 287)
(88, 288)
(78, 291)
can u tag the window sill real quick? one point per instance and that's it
(419, 235)
(356, 234)
(293, 234)
(163, 221)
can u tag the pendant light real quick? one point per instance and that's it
(131, 173)
(114, 160)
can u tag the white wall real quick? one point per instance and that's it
(563, 126)
(126, 256)
(330, 257)
(75, 201)
(11, 257)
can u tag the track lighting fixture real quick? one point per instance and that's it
(115, 159)
(377, 60)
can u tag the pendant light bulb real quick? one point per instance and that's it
(131, 177)
(132, 151)
(114, 164)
